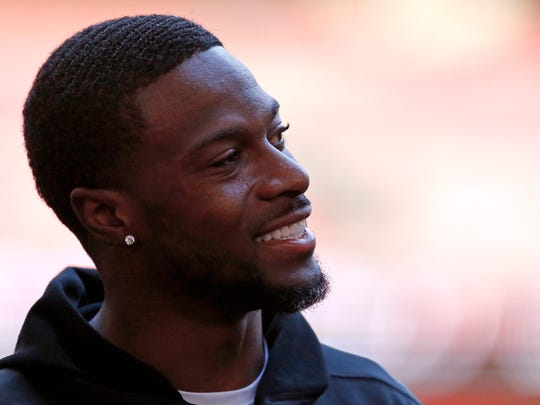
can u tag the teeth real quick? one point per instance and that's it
(287, 232)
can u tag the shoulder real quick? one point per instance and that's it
(357, 377)
(345, 364)
(15, 389)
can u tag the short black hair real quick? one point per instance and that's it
(81, 123)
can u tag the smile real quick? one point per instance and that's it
(287, 232)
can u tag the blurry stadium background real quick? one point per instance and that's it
(419, 121)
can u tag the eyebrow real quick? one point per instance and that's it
(230, 132)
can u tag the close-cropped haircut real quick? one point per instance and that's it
(81, 122)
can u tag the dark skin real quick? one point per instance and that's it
(211, 180)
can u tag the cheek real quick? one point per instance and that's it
(222, 208)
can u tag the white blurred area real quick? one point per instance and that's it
(419, 123)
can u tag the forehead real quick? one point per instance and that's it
(208, 89)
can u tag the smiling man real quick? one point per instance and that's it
(158, 149)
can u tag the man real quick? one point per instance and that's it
(161, 153)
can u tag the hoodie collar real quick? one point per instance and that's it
(57, 342)
(296, 368)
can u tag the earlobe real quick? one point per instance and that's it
(103, 213)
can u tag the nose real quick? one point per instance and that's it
(281, 175)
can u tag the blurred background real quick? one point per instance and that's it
(419, 123)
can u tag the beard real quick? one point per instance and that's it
(238, 287)
(205, 272)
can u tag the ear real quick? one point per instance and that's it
(105, 214)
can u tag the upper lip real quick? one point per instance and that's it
(295, 216)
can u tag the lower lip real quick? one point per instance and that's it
(303, 245)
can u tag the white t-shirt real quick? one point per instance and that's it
(242, 396)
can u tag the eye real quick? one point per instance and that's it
(277, 138)
(230, 157)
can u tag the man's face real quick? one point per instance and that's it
(222, 198)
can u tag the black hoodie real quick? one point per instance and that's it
(61, 359)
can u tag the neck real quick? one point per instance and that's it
(198, 348)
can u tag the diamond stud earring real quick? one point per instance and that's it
(129, 240)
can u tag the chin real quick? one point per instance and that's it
(297, 297)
